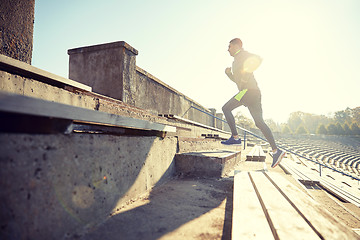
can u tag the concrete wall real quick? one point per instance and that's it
(53, 186)
(110, 69)
(154, 95)
(16, 84)
(16, 29)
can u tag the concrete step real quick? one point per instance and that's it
(211, 163)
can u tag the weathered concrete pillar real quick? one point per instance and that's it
(108, 68)
(16, 29)
(213, 120)
(219, 124)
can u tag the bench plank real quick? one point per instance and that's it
(249, 221)
(331, 186)
(287, 221)
(319, 218)
(256, 154)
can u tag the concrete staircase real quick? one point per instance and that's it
(206, 157)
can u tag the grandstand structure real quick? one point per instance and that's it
(340, 153)
(113, 152)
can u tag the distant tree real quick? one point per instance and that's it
(321, 129)
(242, 121)
(301, 130)
(272, 125)
(343, 116)
(355, 112)
(347, 130)
(354, 129)
(295, 120)
(308, 120)
(339, 129)
(311, 122)
(331, 129)
(285, 129)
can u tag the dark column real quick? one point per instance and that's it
(16, 29)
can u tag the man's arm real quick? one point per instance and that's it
(229, 73)
(251, 64)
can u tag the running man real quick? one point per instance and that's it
(249, 95)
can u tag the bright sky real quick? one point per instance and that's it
(310, 48)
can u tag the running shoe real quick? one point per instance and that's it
(231, 141)
(277, 157)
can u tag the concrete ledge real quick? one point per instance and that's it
(104, 46)
(23, 69)
(181, 119)
(35, 107)
(191, 144)
(213, 163)
(15, 84)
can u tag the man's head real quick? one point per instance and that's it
(234, 46)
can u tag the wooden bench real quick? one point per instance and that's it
(333, 182)
(267, 206)
(256, 154)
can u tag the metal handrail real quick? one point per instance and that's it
(279, 146)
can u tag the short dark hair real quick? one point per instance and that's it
(237, 41)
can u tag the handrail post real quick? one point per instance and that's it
(244, 139)
(320, 169)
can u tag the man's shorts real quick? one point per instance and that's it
(250, 98)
